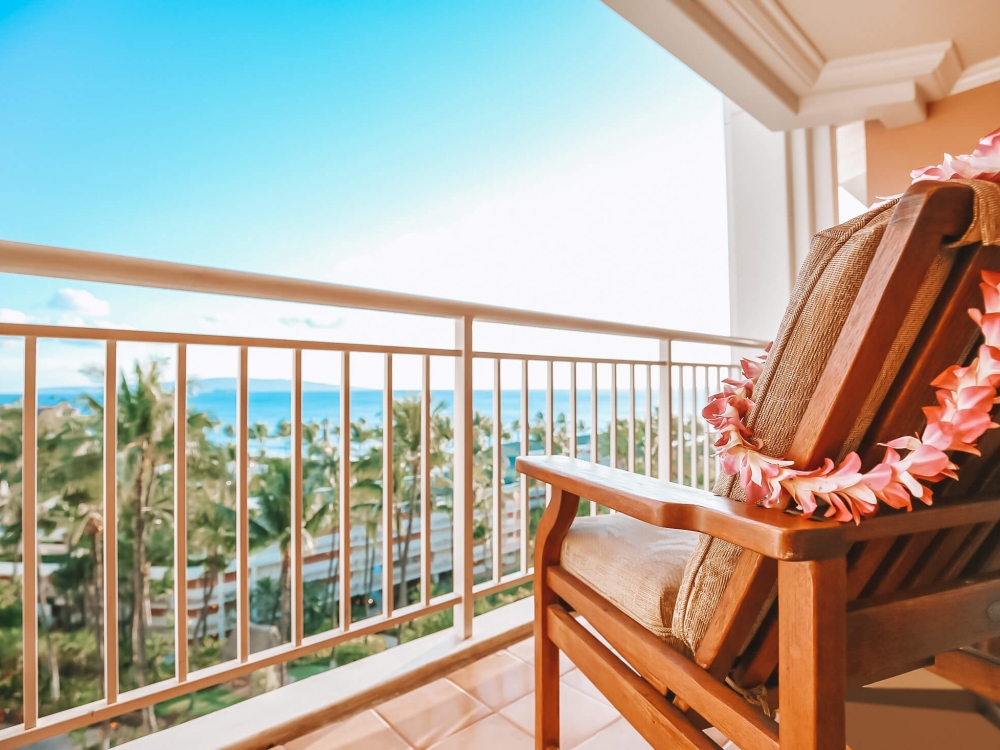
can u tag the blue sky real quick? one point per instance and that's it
(411, 146)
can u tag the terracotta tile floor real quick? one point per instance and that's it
(489, 705)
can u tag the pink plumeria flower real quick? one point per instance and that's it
(981, 164)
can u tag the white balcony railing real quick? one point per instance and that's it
(683, 455)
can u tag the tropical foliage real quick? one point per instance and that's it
(72, 522)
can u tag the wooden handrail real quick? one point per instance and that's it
(62, 263)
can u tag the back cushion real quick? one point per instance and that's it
(824, 293)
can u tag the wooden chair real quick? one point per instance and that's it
(854, 604)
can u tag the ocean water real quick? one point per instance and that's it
(271, 407)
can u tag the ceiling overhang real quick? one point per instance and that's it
(756, 55)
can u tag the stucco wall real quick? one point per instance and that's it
(954, 124)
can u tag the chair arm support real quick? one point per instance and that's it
(780, 536)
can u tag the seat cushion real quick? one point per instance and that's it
(636, 566)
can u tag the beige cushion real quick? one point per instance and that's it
(636, 566)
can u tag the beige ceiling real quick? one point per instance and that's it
(796, 63)
(843, 28)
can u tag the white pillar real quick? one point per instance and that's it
(781, 190)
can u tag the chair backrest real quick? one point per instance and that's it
(908, 322)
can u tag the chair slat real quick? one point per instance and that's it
(901, 563)
(968, 551)
(870, 557)
(936, 559)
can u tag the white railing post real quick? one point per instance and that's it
(344, 526)
(242, 508)
(631, 418)
(613, 423)
(111, 522)
(525, 450)
(180, 517)
(426, 506)
(388, 576)
(29, 532)
(666, 410)
(297, 559)
(594, 432)
(497, 562)
(463, 486)
(647, 458)
(550, 421)
(572, 410)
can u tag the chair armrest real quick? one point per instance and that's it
(781, 536)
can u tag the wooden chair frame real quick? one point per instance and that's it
(855, 604)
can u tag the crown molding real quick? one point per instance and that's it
(980, 74)
(933, 67)
(757, 56)
(772, 35)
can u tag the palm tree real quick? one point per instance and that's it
(321, 484)
(272, 521)
(407, 472)
(211, 504)
(145, 442)
(364, 497)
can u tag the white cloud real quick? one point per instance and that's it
(313, 322)
(81, 302)
(13, 316)
(77, 321)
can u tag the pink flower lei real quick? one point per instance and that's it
(981, 164)
(965, 397)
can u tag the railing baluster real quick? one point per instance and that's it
(666, 415)
(180, 517)
(680, 425)
(111, 522)
(297, 560)
(550, 416)
(463, 574)
(29, 532)
(550, 426)
(497, 477)
(242, 509)
(647, 458)
(425, 481)
(525, 450)
(613, 424)
(594, 432)
(693, 447)
(704, 445)
(572, 410)
(388, 447)
(344, 530)
(631, 418)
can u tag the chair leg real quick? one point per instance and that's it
(812, 667)
(546, 680)
(548, 545)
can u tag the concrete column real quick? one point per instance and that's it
(781, 189)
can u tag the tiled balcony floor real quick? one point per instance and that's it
(489, 705)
